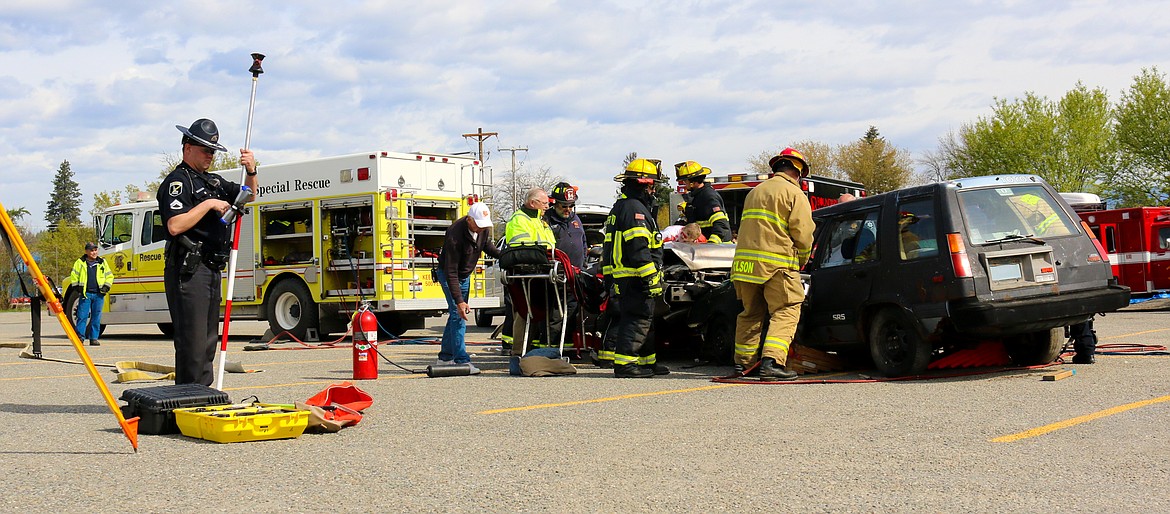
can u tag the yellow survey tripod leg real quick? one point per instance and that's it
(129, 426)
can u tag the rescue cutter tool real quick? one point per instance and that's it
(256, 70)
(129, 426)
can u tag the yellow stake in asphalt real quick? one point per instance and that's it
(129, 426)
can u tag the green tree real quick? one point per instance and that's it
(1143, 139)
(821, 157)
(65, 202)
(56, 250)
(132, 192)
(872, 161)
(1067, 143)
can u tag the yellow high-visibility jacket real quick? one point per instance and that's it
(775, 231)
(79, 277)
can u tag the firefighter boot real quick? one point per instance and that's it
(657, 369)
(1083, 358)
(770, 371)
(632, 371)
(598, 361)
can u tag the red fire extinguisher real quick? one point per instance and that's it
(365, 344)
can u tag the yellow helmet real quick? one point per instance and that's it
(691, 170)
(645, 171)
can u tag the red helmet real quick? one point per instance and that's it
(790, 155)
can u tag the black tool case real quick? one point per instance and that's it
(154, 406)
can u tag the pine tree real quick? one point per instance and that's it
(65, 202)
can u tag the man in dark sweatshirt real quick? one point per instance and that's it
(466, 239)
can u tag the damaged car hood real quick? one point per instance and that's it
(702, 256)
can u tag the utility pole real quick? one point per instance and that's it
(513, 150)
(481, 136)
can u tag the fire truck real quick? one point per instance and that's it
(1137, 240)
(821, 191)
(321, 236)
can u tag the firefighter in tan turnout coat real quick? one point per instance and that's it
(775, 240)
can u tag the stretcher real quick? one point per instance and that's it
(556, 276)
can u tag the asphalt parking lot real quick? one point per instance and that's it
(1007, 441)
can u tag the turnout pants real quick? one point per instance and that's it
(194, 304)
(778, 301)
(632, 312)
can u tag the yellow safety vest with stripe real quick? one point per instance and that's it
(633, 245)
(707, 208)
(522, 228)
(80, 276)
(775, 231)
(1034, 202)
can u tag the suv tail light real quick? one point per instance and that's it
(1103, 256)
(959, 259)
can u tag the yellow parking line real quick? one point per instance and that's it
(607, 399)
(1137, 333)
(1038, 431)
(13, 379)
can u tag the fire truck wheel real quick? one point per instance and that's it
(483, 318)
(1036, 348)
(168, 329)
(291, 308)
(897, 345)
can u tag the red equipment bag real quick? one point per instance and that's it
(342, 404)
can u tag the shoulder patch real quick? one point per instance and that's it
(716, 208)
(639, 216)
(176, 204)
(175, 188)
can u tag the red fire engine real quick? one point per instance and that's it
(1138, 242)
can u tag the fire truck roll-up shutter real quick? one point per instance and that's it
(336, 203)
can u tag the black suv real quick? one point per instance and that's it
(914, 274)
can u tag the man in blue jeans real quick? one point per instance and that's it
(92, 278)
(466, 240)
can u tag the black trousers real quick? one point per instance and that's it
(194, 304)
(1084, 338)
(632, 316)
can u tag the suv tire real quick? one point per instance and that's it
(896, 344)
(1036, 348)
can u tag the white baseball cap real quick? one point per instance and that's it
(480, 215)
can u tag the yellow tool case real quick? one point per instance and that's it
(242, 422)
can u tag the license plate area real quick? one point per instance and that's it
(1023, 267)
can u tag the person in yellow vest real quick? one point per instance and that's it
(92, 277)
(527, 226)
(775, 240)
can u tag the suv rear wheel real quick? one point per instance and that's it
(896, 345)
(1036, 348)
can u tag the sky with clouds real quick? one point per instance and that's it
(581, 84)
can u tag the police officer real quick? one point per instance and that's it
(191, 202)
(705, 206)
(632, 261)
(775, 239)
(570, 236)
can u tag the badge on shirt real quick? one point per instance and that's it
(176, 205)
(176, 188)
(576, 224)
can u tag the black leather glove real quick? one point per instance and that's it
(104, 290)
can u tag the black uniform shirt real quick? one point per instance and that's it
(182, 190)
(570, 236)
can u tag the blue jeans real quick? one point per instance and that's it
(89, 316)
(453, 348)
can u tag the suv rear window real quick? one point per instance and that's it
(1013, 212)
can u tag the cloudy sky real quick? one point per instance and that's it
(581, 84)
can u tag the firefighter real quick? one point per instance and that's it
(705, 206)
(527, 226)
(570, 236)
(632, 262)
(1084, 342)
(775, 239)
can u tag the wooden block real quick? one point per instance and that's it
(1059, 375)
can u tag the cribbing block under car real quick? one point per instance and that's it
(242, 422)
(155, 406)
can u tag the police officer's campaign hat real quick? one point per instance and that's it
(203, 132)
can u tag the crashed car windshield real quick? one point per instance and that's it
(1013, 212)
